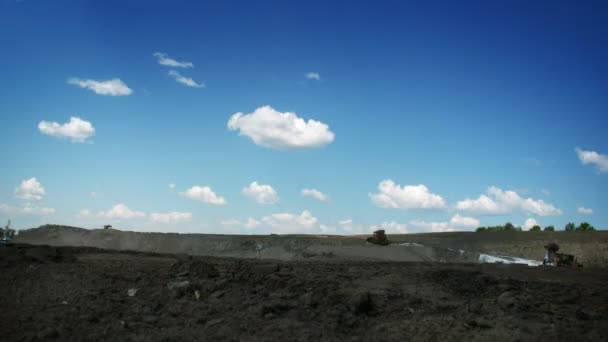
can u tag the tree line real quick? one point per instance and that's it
(509, 227)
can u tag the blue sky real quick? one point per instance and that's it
(410, 116)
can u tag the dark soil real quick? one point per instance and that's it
(88, 294)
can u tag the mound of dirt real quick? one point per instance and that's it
(128, 296)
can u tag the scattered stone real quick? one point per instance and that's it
(217, 294)
(197, 294)
(178, 284)
(214, 321)
(131, 292)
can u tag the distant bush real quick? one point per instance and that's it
(585, 227)
(570, 227)
(508, 227)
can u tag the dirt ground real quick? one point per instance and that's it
(89, 294)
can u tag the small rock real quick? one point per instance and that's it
(197, 294)
(131, 292)
(214, 322)
(217, 294)
(178, 284)
(64, 302)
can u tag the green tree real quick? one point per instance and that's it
(585, 227)
(549, 229)
(509, 226)
(482, 229)
(536, 228)
(570, 227)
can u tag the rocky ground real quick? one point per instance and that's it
(89, 294)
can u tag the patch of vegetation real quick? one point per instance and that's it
(570, 227)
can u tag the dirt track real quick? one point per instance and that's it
(591, 248)
(78, 294)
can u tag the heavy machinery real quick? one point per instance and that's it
(552, 258)
(378, 238)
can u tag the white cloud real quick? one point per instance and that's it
(287, 223)
(84, 213)
(435, 227)
(392, 195)
(585, 211)
(314, 193)
(230, 222)
(282, 131)
(164, 59)
(77, 130)
(113, 87)
(345, 222)
(30, 190)
(26, 210)
(313, 76)
(185, 80)
(391, 227)
(252, 223)
(463, 221)
(203, 194)
(121, 211)
(591, 157)
(170, 217)
(499, 202)
(325, 229)
(530, 223)
(171, 187)
(261, 193)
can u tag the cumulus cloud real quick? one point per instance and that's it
(314, 193)
(391, 227)
(113, 87)
(252, 223)
(203, 194)
(313, 76)
(392, 195)
(30, 190)
(185, 80)
(287, 223)
(435, 227)
(121, 211)
(463, 221)
(282, 131)
(170, 217)
(26, 210)
(600, 161)
(164, 59)
(77, 130)
(585, 211)
(499, 202)
(326, 229)
(261, 193)
(530, 223)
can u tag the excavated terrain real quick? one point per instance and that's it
(91, 294)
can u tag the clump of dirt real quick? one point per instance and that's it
(62, 293)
